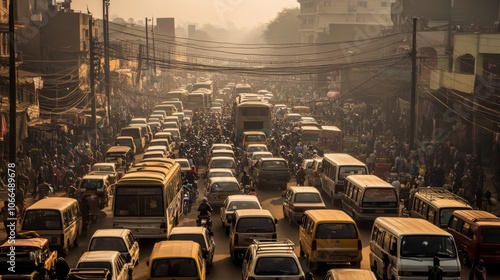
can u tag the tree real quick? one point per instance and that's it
(284, 28)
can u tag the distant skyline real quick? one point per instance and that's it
(225, 13)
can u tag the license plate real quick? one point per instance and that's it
(379, 211)
(337, 258)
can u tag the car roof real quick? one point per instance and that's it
(222, 158)
(220, 170)
(303, 189)
(111, 232)
(188, 230)
(104, 164)
(273, 158)
(223, 179)
(94, 176)
(174, 249)
(242, 197)
(253, 212)
(97, 256)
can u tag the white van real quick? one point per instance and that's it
(56, 218)
(410, 245)
(139, 137)
(335, 168)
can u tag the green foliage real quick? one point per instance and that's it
(284, 28)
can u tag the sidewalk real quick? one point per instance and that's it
(29, 200)
(488, 186)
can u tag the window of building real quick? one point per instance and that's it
(363, 4)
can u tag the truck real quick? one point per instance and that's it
(33, 259)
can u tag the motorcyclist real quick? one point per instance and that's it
(245, 179)
(186, 201)
(205, 209)
(300, 176)
(191, 175)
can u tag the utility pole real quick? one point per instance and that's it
(154, 52)
(92, 66)
(139, 65)
(147, 45)
(105, 28)
(413, 97)
(13, 90)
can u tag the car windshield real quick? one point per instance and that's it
(42, 220)
(428, 246)
(255, 138)
(102, 168)
(174, 267)
(91, 184)
(198, 238)
(336, 231)
(276, 266)
(256, 148)
(274, 164)
(183, 163)
(236, 205)
(105, 265)
(108, 244)
(225, 187)
(308, 197)
(220, 174)
(255, 225)
(222, 164)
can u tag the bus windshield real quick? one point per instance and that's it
(139, 201)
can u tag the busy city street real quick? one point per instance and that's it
(252, 140)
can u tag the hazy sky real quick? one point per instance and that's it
(241, 13)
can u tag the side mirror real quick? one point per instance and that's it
(147, 263)
(128, 258)
(211, 233)
(392, 252)
(275, 220)
(309, 276)
(283, 195)
(130, 271)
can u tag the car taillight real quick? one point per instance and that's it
(163, 225)
(360, 247)
(313, 245)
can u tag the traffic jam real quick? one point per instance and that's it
(214, 184)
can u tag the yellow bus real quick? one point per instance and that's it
(148, 202)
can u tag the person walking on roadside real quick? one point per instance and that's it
(478, 271)
(435, 271)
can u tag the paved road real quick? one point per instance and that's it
(223, 267)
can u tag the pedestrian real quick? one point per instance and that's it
(478, 271)
(61, 269)
(385, 268)
(435, 271)
(43, 189)
(5, 214)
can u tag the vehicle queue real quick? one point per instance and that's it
(148, 202)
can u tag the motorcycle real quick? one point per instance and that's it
(205, 221)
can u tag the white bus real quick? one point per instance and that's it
(252, 116)
(148, 203)
(335, 168)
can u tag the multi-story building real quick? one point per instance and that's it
(317, 15)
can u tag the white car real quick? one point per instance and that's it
(121, 240)
(113, 261)
(258, 155)
(237, 202)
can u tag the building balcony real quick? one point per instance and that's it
(451, 80)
